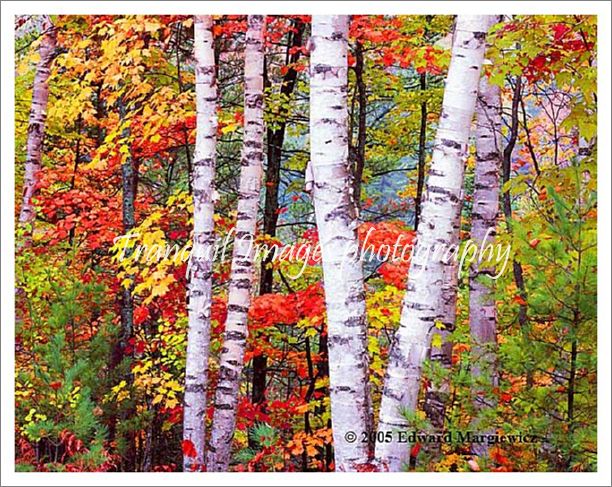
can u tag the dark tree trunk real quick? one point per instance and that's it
(275, 139)
(362, 99)
(422, 153)
(129, 180)
(517, 268)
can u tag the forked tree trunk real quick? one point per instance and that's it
(36, 122)
(234, 338)
(342, 271)
(200, 265)
(483, 316)
(429, 292)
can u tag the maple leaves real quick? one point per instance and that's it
(398, 41)
(310, 444)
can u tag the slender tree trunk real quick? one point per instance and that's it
(429, 294)
(362, 98)
(234, 339)
(422, 154)
(275, 139)
(36, 123)
(185, 130)
(422, 142)
(129, 188)
(342, 271)
(200, 268)
(483, 315)
(517, 268)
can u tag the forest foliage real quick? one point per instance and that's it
(90, 397)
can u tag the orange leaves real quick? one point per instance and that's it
(458, 350)
(310, 444)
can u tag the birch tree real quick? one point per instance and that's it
(430, 293)
(483, 316)
(37, 119)
(200, 265)
(336, 223)
(234, 338)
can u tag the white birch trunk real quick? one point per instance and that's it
(200, 268)
(429, 291)
(342, 271)
(483, 316)
(36, 122)
(234, 339)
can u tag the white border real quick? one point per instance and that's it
(9, 9)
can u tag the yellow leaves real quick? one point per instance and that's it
(119, 392)
(436, 340)
(83, 44)
(160, 288)
(182, 200)
(142, 367)
(151, 24)
(155, 237)
(322, 382)
(147, 112)
(384, 307)
(410, 191)
(311, 332)
(30, 415)
(174, 385)
(230, 127)
(119, 386)
(167, 392)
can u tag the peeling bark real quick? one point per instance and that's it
(430, 294)
(342, 271)
(200, 265)
(231, 361)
